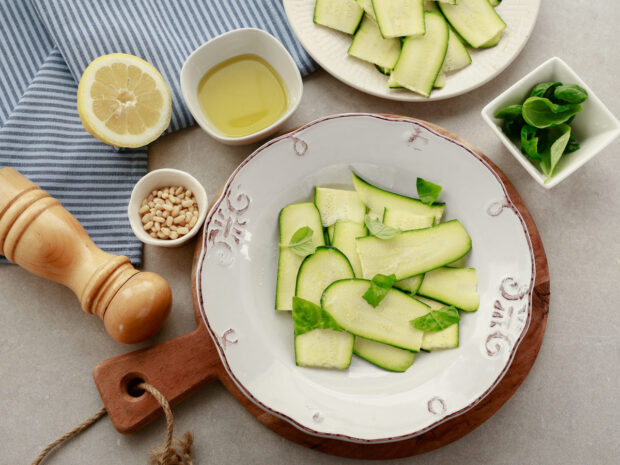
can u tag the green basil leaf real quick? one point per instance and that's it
(529, 142)
(427, 191)
(512, 128)
(308, 316)
(437, 320)
(570, 93)
(543, 113)
(509, 112)
(301, 243)
(543, 89)
(379, 287)
(572, 145)
(559, 137)
(378, 229)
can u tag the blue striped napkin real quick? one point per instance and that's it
(45, 45)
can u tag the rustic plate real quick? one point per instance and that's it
(329, 48)
(236, 273)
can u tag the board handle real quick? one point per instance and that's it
(177, 368)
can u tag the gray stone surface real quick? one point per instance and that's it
(566, 411)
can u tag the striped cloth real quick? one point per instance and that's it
(45, 45)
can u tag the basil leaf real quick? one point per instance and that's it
(543, 113)
(308, 316)
(543, 89)
(512, 128)
(427, 191)
(301, 242)
(509, 112)
(379, 287)
(570, 93)
(378, 229)
(437, 320)
(560, 136)
(529, 142)
(572, 145)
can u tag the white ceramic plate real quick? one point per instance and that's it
(329, 49)
(236, 279)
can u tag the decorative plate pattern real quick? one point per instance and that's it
(236, 275)
(329, 49)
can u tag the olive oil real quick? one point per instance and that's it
(242, 95)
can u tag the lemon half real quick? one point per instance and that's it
(123, 100)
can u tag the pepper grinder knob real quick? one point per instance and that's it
(40, 235)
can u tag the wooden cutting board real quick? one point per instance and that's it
(181, 366)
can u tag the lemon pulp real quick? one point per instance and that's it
(242, 95)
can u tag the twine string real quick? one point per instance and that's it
(172, 452)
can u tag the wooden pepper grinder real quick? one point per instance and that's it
(37, 233)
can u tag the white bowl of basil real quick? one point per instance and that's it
(552, 122)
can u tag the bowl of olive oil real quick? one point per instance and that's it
(241, 86)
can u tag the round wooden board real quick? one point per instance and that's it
(182, 365)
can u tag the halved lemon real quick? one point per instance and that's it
(123, 100)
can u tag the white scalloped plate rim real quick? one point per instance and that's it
(223, 342)
(329, 49)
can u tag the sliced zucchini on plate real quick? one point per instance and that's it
(337, 205)
(319, 341)
(342, 15)
(388, 323)
(444, 339)
(377, 200)
(421, 58)
(399, 18)
(411, 253)
(476, 21)
(452, 286)
(319, 270)
(369, 45)
(292, 217)
(384, 356)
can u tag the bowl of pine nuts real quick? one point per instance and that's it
(167, 207)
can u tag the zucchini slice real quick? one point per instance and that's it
(368, 8)
(324, 348)
(430, 5)
(405, 222)
(336, 205)
(440, 81)
(457, 56)
(399, 18)
(384, 356)
(452, 286)
(422, 57)
(388, 323)
(319, 341)
(476, 21)
(293, 217)
(342, 15)
(345, 233)
(319, 270)
(410, 285)
(369, 45)
(445, 339)
(377, 200)
(411, 253)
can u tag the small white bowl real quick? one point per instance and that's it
(163, 178)
(595, 127)
(229, 45)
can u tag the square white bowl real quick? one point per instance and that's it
(228, 45)
(595, 127)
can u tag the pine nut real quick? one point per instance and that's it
(179, 219)
(166, 231)
(193, 221)
(178, 190)
(174, 235)
(169, 221)
(156, 226)
(148, 225)
(182, 231)
(146, 218)
(158, 219)
(186, 203)
(143, 209)
(175, 211)
(161, 235)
